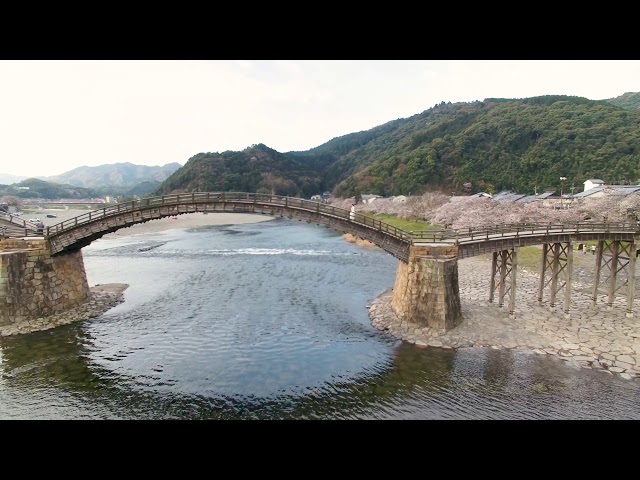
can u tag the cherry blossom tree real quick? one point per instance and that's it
(473, 212)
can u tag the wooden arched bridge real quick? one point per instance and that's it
(617, 242)
(77, 232)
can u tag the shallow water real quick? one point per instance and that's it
(269, 321)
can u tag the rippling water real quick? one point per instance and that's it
(269, 321)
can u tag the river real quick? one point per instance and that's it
(269, 321)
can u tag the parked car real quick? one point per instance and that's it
(52, 215)
(35, 220)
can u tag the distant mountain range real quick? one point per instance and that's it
(117, 179)
(114, 175)
(111, 175)
(126, 179)
(8, 179)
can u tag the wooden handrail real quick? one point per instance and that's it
(446, 235)
(224, 197)
(18, 221)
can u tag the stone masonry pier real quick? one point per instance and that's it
(33, 284)
(426, 287)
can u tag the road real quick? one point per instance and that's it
(62, 214)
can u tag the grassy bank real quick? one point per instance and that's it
(403, 223)
(530, 257)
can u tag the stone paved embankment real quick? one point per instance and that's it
(594, 337)
(102, 298)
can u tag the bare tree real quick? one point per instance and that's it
(11, 201)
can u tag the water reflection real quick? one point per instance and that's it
(417, 384)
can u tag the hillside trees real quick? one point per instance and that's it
(512, 144)
(524, 145)
(255, 169)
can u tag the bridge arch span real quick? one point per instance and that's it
(75, 233)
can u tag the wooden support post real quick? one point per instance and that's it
(554, 272)
(615, 248)
(568, 276)
(596, 279)
(631, 278)
(492, 287)
(503, 276)
(512, 297)
(543, 269)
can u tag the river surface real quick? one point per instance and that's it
(269, 321)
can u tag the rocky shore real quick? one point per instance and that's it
(102, 298)
(594, 337)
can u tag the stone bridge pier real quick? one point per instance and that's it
(34, 284)
(426, 288)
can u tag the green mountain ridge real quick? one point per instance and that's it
(256, 169)
(517, 144)
(630, 100)
(36, 188)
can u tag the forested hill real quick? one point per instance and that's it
(257, 169)
(520, 144)
(629, 100)
(36, 188)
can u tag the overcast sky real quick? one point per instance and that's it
(59, 115)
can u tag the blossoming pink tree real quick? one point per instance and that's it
(438, 209)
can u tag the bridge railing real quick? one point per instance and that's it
(417, 236)
(518, 230)
(30, 229)
(226, 197)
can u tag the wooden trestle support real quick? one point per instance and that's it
(556, 269)
(615, 269)
(504, 266)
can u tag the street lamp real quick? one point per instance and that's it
(562, 179)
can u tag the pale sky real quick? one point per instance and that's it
(58, 115)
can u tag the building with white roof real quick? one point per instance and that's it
(592, 183)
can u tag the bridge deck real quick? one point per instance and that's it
(481, 241)
(82, 230)
(79, 231)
